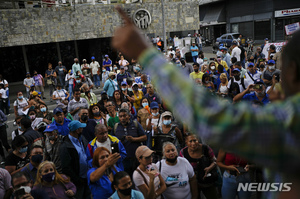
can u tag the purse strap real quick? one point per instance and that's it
(142, 176)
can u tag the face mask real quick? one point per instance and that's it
(172, 160)
(37, 158)
(167, 122)
(124, 89)
(97, 113)
(155, 114)
(52, 137)
(35, 73)
(43, 109)
(219, 59)
(20, 128)
(116, 68)
(58, 90)
(272, 67)
(78, 81)
(60, 64)
(130, 89)
(261, 66)
(23, 149)
(49, 177)
(27, 75)
(104, 71)
(84, 118)
(20, 97)
(206, 82)
(178, 65)
(125, 192)
(27, 189)
(135, 88)
(196, 70)
(205, 63)
(251, 60)
(213, 67)
(237, 77)
(145, 104)
(32, 117)
(260, 94)
(140, 89)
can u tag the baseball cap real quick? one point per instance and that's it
(123, 83)
(266, 39)
(84, 60)
(154, 105)
(271, 61)
(250, 64)
(143, 151)
(111, 74)
(134, 84)
(236, 69)
(27, 73)
(267, 77)
(57, 110)
(103, 92)
(166, 113)
(218, 55)
(106, 56)
(234, 42)
(34, 93)
(51, 127)
(75, 124)
(259, 81)
(93, 57)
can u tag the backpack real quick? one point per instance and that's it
(232, 82)
(242, 56)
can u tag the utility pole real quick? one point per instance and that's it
(164, 25)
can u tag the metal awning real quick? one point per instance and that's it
(214, 15)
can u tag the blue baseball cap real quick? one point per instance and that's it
(93, 57)
(51, 127)
(75, 124)
(236, 69)
(154, 105)
(106, 56)
(123, 83)
(57, 110)
(266, 39)
(271, 61)
(250, 64)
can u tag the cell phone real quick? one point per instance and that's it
(114, 148)
(241, 170)
(212, 59)
(19, 193)
(258, 86)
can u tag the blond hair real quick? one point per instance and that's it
(223, 75)
(58, 178)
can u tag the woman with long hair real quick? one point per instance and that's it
(144, 112)
(117, 99)
(54, 184)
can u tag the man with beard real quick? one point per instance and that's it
(76, 67)
(259, 93)
(61, 122)
(73, 159)
(131, 134)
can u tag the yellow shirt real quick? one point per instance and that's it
(138, 100)
(222, 63)
(195, 75)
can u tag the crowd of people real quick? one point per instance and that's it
(128, 143)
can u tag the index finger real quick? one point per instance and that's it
(123, 14)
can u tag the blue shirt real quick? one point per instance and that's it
(108, 62)
(134, 195)
(101, 189)
(252, 97)
(83, 166)
(194, 53)
(63, 129)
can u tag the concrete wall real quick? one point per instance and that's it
(45, 25)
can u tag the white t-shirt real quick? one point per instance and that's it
(199, 61)
(256, 76)
(123, 62)
(94, 66)
(106, 144)
(71, 80)
(20, 105)
(28, 82)
(246, 83)
(139, 180)
(13, 134)
(177, 178)
(3, 92)
(4, 82)
(60, 94)
(236, 52)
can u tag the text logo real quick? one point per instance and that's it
(264, 187)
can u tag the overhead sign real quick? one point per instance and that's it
(291, 28)
(277, 45)
(142, 18)
(288, 12)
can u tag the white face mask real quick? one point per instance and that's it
(272, 67)
(213, 67)
(27, 189)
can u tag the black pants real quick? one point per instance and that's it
(3, 138)
(4, 105)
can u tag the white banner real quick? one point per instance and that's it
(291, 28)
(288, 12)
(277, 45)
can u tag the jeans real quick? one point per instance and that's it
(194, 59)
(70, 91)
(200, 47)
(243, 62)
(3, 140)
(230, 185)
(51, 88)
(62, 81)
(96, 80)
(4, 105)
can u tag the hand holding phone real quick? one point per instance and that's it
(114, 148)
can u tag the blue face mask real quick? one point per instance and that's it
(116, 68)
(130, 89)
(43, 109)
(104, 71)
(20, 128)
(178, 65)
(145, 104)
(23, 149)
(167, 122)
(58, 90)
(155, 114)
(20, 97)
(124, 89)
(78, 81)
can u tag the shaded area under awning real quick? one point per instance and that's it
(214, 15)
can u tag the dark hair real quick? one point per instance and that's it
(237, 63)
(35, 147)
(272, 47)
(196, 64)
(147, 101)
(26, 122)
(233, 60)
(220, 68)
(204, 76)
(121, 97)
(123, 110)
(1, 85)
(112, 102)
(18, 175)
(91, 114)
(118, 176)
(19, 117)
(18, 141)
(76, 90)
